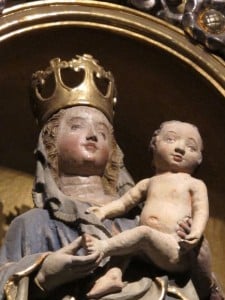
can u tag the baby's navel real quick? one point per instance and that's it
(151, 221)
(154, 222)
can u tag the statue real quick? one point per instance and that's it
(79, 165)
(170, 196)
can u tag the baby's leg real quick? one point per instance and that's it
(161, 248)
(111, 281)
(126, 242)
(201, 272)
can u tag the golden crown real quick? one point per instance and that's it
(88, 92)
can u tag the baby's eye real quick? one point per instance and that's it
(170, 139)
(191, 148)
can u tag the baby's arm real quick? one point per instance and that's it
(123, 204)
(200, 210)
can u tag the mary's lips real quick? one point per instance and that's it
(90, 146)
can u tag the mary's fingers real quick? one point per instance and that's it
(86, 259)
(188, 221)
(72, 247)
(184, 226)
(181, 234)
(73, 272)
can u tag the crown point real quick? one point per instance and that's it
(85, 93)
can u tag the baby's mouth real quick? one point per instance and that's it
(177, 157)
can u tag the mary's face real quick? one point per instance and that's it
(84, 142)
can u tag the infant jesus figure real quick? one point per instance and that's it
(169, 196)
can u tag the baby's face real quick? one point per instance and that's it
(178, 148)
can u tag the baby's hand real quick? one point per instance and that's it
(98, 211)
(189, 242)
(192, 238)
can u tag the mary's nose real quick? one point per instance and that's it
(92, 135)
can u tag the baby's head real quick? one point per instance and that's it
(177, 147)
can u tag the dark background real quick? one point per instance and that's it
(153, 86)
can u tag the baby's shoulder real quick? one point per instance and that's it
(142, 185)
(144, 182)
(196, 183)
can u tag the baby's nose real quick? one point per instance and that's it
(180, 146)
(180, 150)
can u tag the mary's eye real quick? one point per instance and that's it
(102, 131)
(103, 135)
(75, 126)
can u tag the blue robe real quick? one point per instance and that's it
(36, 232)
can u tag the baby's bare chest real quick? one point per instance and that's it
(174, 189)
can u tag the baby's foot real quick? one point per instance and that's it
(109, 283)
(93, 244)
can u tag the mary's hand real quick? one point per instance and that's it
(184, 231)
(63, 266)
(184, 227)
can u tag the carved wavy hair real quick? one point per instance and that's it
(111, 174)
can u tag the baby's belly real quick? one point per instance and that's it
(164, 220)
